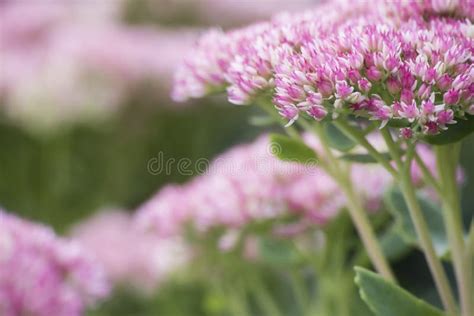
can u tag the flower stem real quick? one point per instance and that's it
(300, 291)
(447, 157)
(355, 209)
(427, 176)
(426, 243)
(405, 181)
(357, 136)
(264, 299)
(362, 223)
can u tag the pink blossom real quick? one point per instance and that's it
(409, 111)
(42, 274)
(129, 255)
(248, 185)
(68, 62)
(400, 52)
(406, 133)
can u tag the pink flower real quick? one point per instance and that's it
(318, 112)
(406, 133)
(409, 111)
(43, 275)
(364, 85)
(383, 113)
(446, 117)
(70, 62)
(451, 97)
(247, 185)
(343, 90)
(129, 255)
(350, 55)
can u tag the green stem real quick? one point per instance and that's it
(408, 190)
(355, 209)
(470, 256)
(264, 299)
(393, 149)
(427, 176)
(422, 231)
(447, 157)
(237, 303)
(357, 136)
(300, 291)
(235, 296)
(362, 223)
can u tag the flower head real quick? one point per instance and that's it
(72, 62)
(380, 61)
(248, 185)
(143, 261)
(43, 275)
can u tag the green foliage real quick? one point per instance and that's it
(278, 251)
(62, 178)
(454, 133)
(363, 158)
(288, 149)
(337, 139)
(387, 299)
(190, 295)
(394, 246)
(433, 215)
(262, 120)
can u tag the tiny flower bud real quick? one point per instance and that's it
(451, 97)
(406, 133)
(364, 85)
(393, 85)
(373, 74)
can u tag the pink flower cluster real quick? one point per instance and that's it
(130, 256)
(355, 57)
(43, 275)
(248, 184)
(67, 62)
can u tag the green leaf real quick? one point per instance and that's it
(398, 123)
(454, 133)
(337, 139)
(262, 120)
(393, 244)
(387, 299)
(470, 242)
(432, 213)
(363, 158)
(470, 249)
(278, 251)
(288, 149)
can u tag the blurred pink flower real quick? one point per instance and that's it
(248, 184)
(76, 61)
(43, 275)
(130, 256)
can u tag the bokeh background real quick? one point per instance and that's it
(84, 99)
